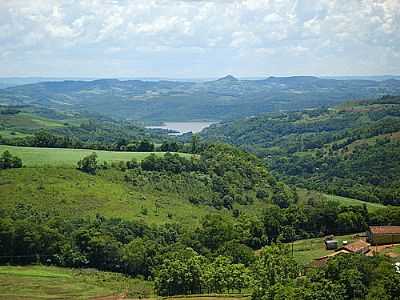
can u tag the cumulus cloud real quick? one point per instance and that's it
(241, 32)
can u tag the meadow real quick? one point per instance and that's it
(69, 192)
(350, 202)
(44, 282)
(32, 156)
(345, 201)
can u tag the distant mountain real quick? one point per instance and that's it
(221, 99)
(228, 78)
(6, 82)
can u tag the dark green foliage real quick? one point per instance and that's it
(8, 161)
(210, 258)
(171, 147)
(237, 252)
(180, 274)
(220, 176)
(351, 150)
(88, 164)
(274, 267)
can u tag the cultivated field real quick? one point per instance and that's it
(32, 156)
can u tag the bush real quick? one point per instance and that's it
(8, 161)
(88, 164)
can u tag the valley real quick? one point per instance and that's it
(226, 98)
(199, 150)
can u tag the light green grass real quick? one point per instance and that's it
(42, 282)
(349, 201)
(306, 251)
(32, 156)
(12, 134)
(71, 193)
(306, 194)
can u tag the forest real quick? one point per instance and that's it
(348, 150)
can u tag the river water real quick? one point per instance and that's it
(183, 127)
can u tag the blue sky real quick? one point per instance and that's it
(166, 38)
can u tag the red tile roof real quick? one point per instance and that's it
(385, 229)
(356, 246)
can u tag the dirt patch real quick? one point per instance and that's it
(114, 297)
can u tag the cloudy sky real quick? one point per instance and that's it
(189, 38)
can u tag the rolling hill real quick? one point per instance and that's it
(349, 150)
(221, 99)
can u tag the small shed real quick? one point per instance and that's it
(331, 244)
(380, 235)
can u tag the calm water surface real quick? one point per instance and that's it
(183, 127)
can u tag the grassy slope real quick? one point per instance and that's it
(52, 184)
(43, 282)
(305, 194)
(69, 192)
(349, 201)
(32, 156)
(40, 282)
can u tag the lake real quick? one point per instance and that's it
(183, 127)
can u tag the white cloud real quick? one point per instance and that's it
(77, 29)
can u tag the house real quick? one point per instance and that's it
(358, 246)
(380, 235)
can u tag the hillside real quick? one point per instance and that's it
(222, 99)
(349, 150)
(18, 125)
(186, 224)
(151, 193)
(34, 156)
(37, 282)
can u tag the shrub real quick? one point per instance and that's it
(88, 164)
(8, 161)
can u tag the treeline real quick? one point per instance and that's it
(219, 176)
(47, 139)
(216, 256)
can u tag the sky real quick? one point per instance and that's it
(198, 39)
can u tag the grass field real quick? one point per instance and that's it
(42, 282)
(304, 251)
(32, 156)
(69, 192)
(306, 194)
(12, 134)
(349, 201)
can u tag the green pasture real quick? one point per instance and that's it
(43, 282)
(32, 156)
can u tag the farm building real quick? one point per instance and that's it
(331, 244)
(357, 247)
(380, 235)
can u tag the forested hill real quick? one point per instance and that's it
(221, 99)
(349, 150)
